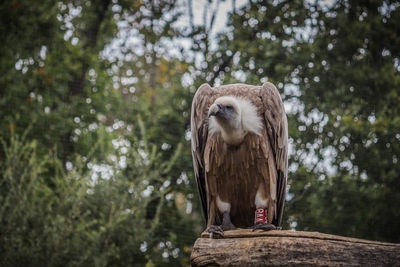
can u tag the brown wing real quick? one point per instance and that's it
(277, 130)
(199, 129)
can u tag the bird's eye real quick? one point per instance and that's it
(229, 107)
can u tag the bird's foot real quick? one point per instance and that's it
(215, 231)
(226, 222)
(227, 226)
(264, 226)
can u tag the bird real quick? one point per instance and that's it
(240, 156)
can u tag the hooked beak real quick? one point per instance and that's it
(215, 110)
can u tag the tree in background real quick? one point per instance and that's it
(95, 164)
(350, 83)
(89, 176)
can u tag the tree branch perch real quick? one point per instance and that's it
(243, 247)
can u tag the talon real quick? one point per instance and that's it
(264, 226)
(215, 230)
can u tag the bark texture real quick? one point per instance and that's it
(242, 247)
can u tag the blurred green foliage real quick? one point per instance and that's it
(95, 161)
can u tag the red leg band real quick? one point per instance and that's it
(261, 216)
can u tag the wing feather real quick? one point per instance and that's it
(277, 130)
(199, 129)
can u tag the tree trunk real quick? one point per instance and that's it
(242, 247)
(89, 44)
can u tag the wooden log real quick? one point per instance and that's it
(242, 247)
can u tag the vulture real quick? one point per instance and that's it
(240, 155)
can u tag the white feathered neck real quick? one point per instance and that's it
(247, 120)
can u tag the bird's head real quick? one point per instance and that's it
(226, 110)
(233, 117)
